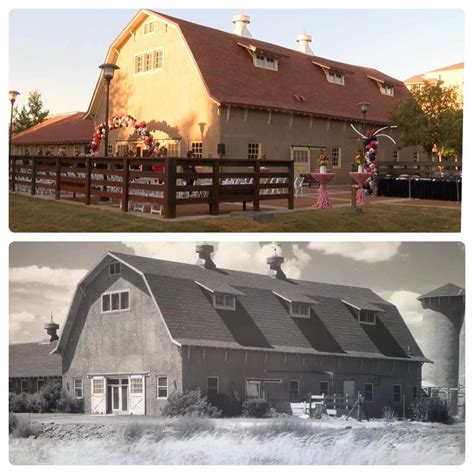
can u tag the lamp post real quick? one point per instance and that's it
(108, 70)
(364, 107)
(12, 95)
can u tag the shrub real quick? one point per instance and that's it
(432, 410)
(190, 404)
(188, 426)
(18, 403)
(229, 405)
(12, 422)
(134, 431)
(255, 408)
(388, 413)
(25, 429)
(69, 404)
(51, 393)
(288, 425)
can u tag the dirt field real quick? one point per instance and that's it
(64, 439)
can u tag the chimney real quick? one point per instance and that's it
(241, 21)
(304, 41)
(274, 263)
(205, 251)
(51, 329)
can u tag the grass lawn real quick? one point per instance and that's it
(28, 214)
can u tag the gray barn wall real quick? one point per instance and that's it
(234, 366)
(128, 342)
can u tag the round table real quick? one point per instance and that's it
(361, 179)
(323, 197)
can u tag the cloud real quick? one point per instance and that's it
(63, 277)
(369, 252)
(17, 319)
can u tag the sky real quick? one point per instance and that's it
(43, 275)
(57, 51)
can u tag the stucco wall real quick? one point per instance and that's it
(234, 366)
(173, 101)
(122, 342)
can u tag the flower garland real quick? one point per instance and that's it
(121, 121)
(371, 144)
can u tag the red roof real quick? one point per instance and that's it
(231, 78)
(421, 77)
(453, 67)
(66, 128)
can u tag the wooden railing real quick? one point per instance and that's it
(428, 169)
(162, 183)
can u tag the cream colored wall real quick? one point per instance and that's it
(452, 78)
(173, 101)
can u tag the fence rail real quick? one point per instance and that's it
(428, 169)
(161, 183)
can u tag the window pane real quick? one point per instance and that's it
(368, 392)
(115, 301)
(124, 303)
(105, 302)
(324, 388)
(136, 385)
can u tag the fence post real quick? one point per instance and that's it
(403, 406)
(256, 192)
(310, 402)
(291, 185)
(87, 197)
(214, 205)
(13, 171)
(125, 183)
(169, 194)
(57, 194)
(33, 176)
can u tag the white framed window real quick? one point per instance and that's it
(369, 392)
(324, 387)
(299, 309)
(25, 386)
(196, 148)
(212, 385)
(367, 317)
(415, 392)
(98, 386)
(136, 385)
(416, 156)
(335, 77)
(223, 301)
(396, 155)
(78, 387)
(158, 57)
(138, 63)
(162, 387)
(110, 149)
(115, 301)
(149, 28)
(149, 61)
(294, 389)
(253, 389)
(386, 89)
(122, 149)
(11, 385)
(397, 393)
(265, 62)
(39, 384)
(114, 268)
(300, 155)
(254, 151)
(174, 149)
(336, 157)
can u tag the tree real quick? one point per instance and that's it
(430, 118)
(30, 114)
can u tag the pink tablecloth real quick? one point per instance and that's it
(361, 179)
(323, 179)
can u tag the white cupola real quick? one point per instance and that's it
(241, 21)
(304, 40)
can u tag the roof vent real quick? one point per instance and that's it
(274, 263)
(304, 41)
(241, 21)
(205, 251)
(51, 329)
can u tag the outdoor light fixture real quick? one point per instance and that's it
(108, 70)
(364, 107)
(12, 95)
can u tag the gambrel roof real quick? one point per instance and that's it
(299, 86)
(262, 319)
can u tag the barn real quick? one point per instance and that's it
(139, 329)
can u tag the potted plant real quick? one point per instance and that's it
(323, 161)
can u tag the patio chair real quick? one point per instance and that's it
(299, 186)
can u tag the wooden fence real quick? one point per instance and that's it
(424, 169)
(161, 183)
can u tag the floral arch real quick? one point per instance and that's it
(122, 121)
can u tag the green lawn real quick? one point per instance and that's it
(28, 214)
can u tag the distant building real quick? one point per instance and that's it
(67, 134)
(452, 76)
(140, 329)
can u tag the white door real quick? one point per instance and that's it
(300, 156)
(98, 395)
(348, 387)
(137, 395)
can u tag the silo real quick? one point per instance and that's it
(443, 343)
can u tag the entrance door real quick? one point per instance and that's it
(117, 395)
(348, 387)
(137, 395)
(300, 155)
(98, 399)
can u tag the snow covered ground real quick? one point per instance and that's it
(241, 441)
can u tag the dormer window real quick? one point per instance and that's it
(223, 301)
(114, 268)
(387, 89)
(265, 62)
(300, 310)
(335, 77)
(367, 317)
